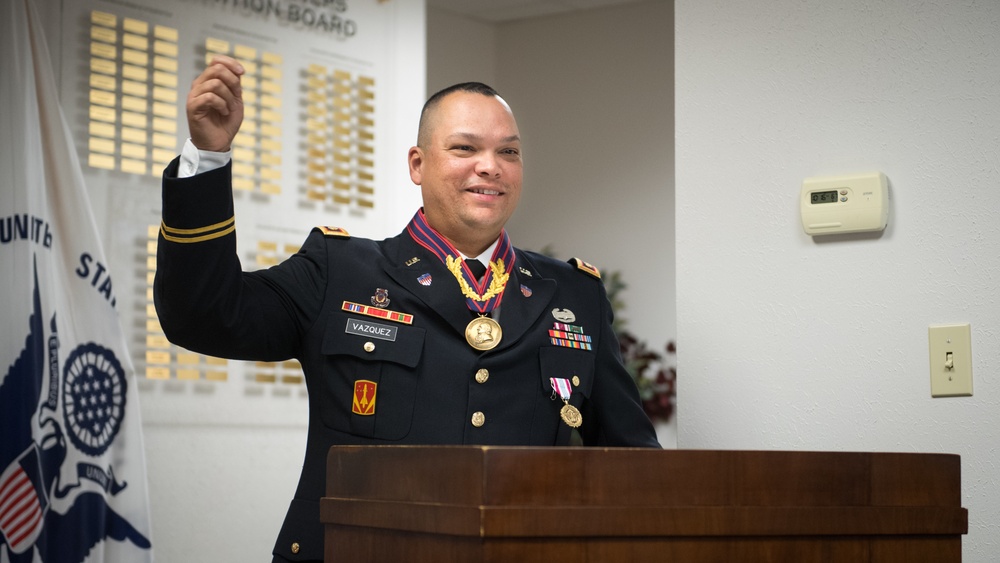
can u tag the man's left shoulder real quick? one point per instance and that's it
(585, 267)
(554, 268)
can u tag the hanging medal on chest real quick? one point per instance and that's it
(483, 333)
(568, 413)
(481, 296)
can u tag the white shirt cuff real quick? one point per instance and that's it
(194, 161)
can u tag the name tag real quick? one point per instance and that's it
(374, 330)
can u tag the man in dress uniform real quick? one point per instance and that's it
(402, 341)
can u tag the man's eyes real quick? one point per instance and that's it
(470, 148)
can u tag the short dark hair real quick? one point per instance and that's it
(435, 99)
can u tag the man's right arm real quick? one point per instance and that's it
(203, 299)
(205, 302)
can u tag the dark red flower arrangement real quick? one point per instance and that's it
(655, 379)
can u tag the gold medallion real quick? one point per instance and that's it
(483, 333)
(571, 416)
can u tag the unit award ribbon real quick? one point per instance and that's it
(481, 297)
(569, 414)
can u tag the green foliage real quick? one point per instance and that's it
(655, 379)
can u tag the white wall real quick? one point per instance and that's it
(793, 343)
(459, 49)
(219, 493)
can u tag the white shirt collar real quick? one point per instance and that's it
(486, 255)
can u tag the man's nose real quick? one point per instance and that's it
(487, 165)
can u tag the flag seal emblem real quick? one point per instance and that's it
(93, 397)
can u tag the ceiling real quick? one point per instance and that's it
(496, 11)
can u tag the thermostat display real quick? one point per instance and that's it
(824, 197)
(844, 204)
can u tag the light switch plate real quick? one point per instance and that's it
(950, 360)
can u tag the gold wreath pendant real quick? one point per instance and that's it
(497, 284)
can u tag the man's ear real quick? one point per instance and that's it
(416, 160)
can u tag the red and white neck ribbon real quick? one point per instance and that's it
(561, 387)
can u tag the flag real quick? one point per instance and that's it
(72, 467)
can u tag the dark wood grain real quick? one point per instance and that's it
(460, 503)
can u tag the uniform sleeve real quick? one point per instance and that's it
(205, 302)
(614, 400)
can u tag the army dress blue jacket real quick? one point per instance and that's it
(430, 385)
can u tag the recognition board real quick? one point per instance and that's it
(332, 94)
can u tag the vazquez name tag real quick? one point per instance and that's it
(375, 330)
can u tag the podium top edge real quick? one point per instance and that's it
(653, 451)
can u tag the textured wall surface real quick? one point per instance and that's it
(787, 342)
(459, 49)
(593, 95)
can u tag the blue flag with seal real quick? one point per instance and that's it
(72, 467)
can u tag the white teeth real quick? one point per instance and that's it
(487, 192)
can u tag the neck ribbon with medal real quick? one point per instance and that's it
(482, 333)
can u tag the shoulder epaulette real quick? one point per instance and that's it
(586, 267)
(334, 232)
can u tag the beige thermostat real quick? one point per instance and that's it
(844, 204)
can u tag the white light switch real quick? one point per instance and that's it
(951, 360)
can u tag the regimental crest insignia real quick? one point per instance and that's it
(381, 298)
(526, 291)
(364, 397)
(424, 279)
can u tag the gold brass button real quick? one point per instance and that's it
(478, 419)
(482, 375)
(296, 547)
(576, 381)
(369, 347)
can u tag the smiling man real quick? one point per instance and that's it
(444, 334)
(468, 164)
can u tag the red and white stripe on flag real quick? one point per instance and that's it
(20, 509)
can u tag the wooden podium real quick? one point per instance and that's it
(512, 504)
